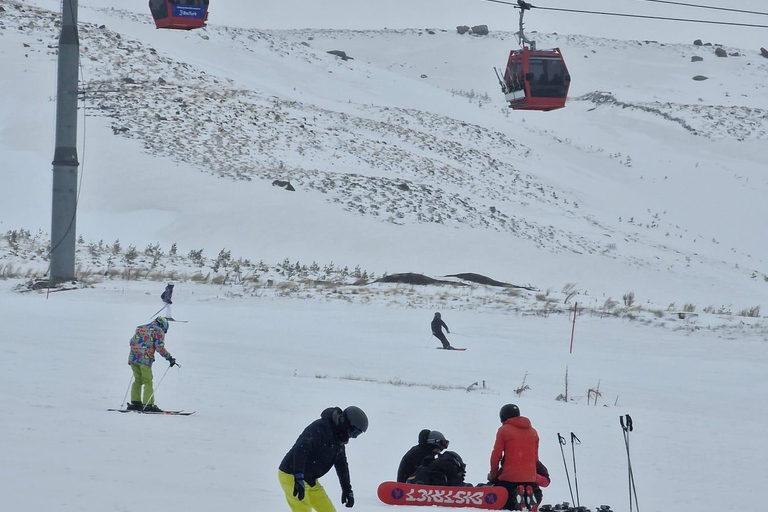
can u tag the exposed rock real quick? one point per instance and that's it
(305, 43)
(481, 279)
(462, 29)
(764, 52)
(161, 81)
(404, 187)
(284, 184)
(698, 42)
(720, 52)
(128, 80)
(735, 54)
(423, 76)
(412, 278)
(480, 30)
(340, 53)
(431, 32)
(700, 78)
(696, 58)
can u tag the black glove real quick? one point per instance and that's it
(298, 486)
(348, 498)
(172, 361)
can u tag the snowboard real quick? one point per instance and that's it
(167, 413)
(454, 348)
(396, 493)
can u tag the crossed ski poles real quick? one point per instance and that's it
(574, 441)
(627, 428)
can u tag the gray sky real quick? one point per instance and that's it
(376, 14)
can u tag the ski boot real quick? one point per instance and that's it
(152, 408)
(135, 405)
(530, 499)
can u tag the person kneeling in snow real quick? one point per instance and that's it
(431, 443)
(447, 469)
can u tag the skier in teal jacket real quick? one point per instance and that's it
(147, 340)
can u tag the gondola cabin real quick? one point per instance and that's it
(536, 79)
(179, 14)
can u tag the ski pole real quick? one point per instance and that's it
(561, 440)
(574, 441)
(125, 398)
(631, 478)
(155, 388)
(157, 312)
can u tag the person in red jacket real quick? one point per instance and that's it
(514, 457)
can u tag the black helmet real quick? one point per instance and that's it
(423, 435)
(437, 315)
(509, 411)
(455, 458)
(356, 419)
(436, 439)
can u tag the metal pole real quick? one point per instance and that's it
(573, 327)
(65, 163)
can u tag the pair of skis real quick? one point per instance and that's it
(166, 413)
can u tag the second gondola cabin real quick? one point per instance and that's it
(536, 79)
(179, 14)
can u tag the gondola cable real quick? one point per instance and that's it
(642, 16)
(714, 8)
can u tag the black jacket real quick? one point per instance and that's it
(415, 457)
(436, 324)
(320, 447)
(441, 471)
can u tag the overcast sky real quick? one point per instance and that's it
(449, 13)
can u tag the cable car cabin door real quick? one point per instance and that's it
(179, 14)
(536, 80)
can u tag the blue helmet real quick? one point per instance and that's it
(162, 322)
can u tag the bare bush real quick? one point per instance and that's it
(753, 312)
(523, 387)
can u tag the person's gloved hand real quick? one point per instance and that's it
(172, 361)
(348, 498)
(298, 486)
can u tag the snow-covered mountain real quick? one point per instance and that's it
(405, 158)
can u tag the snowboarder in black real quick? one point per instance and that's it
(447, 469)
(437, 331)
(431, 443)
(320, 447)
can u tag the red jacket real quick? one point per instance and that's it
(516, 449)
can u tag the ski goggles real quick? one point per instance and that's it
(355, 432)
